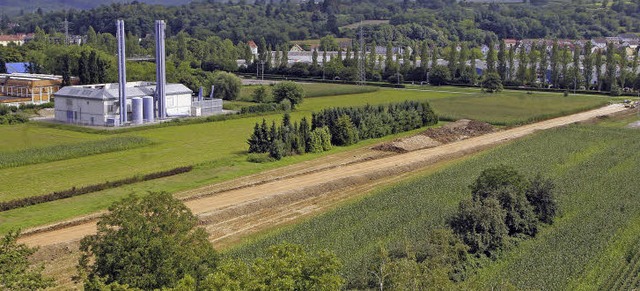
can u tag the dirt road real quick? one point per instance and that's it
(234, 209)
(235, 201)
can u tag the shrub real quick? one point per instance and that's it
(259, 158)
(277, 150)
(345, 132)
(227, 85)
(261, 94)
(288, 91)
(492, 82)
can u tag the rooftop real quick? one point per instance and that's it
(110, 91)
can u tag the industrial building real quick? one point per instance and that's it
(20, 88)
(135, 103)
(99, 105)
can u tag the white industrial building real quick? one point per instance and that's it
(98, 105)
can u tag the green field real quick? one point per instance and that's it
(314, 90)
(216, 148)
(512, 108)
(595, 236)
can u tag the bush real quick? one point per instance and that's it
(345, 132)
(227, 85)
(261, 94)
(259, 158)
(503, 203)
(277, 150)
(492, 82)
(147, 243)
(288, 91)
(439, 75)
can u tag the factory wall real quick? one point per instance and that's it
(83, 111)
(178, 105)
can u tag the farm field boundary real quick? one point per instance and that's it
(412, 160)
(255, 197)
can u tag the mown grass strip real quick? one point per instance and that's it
(33, 200)
(70, 151)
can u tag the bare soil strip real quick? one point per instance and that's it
(235, 209)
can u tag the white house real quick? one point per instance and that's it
(97, 105)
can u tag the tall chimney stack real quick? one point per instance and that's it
(161, 78)
(122, 72)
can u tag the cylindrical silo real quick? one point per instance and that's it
(136, 110)
(147, 102)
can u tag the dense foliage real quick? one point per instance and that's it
(502, 206)
(373, 121)
(154, 243)
(290, 91)
(288, 139)
(15, 270)
(147, 243)
(338, 126)
(278, 22)
(227, 85)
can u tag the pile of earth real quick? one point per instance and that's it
(432, 137)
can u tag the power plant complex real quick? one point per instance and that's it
(110, 104)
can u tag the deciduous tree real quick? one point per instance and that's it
(150, 242)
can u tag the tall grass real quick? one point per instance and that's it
(69, 151)
(513, 108)
(316, 90)
(597, 183)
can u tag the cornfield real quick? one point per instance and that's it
(597, 195)
(69, 151)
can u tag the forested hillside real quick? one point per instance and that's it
(18, 7)
(439, 21)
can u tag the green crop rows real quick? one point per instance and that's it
(69, 151)
(217, 149)
(597, 184)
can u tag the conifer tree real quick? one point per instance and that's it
(588, 64)
(314, 58)
(511, 57)
(521, 75)
(544, 64)
(452, 60)
(554, 63)
(491, 59)
(611, 68)
(502, 62)
(575, 71)
(598, 63)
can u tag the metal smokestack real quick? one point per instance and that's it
(161, 78)
(122, 72)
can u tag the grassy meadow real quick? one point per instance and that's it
(313, 90)
(217, 149)
(595, 237)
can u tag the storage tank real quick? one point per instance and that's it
(147, 102)
(136, 110)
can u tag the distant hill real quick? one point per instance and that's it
(14, 7)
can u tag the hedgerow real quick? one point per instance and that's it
(75, 191)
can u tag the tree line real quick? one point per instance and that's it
(439, 21)
(338, 127)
